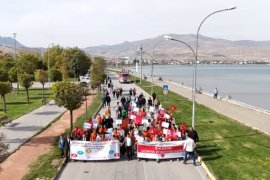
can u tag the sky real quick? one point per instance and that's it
(84, 23)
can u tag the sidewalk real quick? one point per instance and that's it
(249, 117)
(26, 126)
(17, 164)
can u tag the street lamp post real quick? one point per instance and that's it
(141, 63)
(15, 54)
(196, 60)
(49, 78)
(152, 66)
(193, 86)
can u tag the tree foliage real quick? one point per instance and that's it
(55, 75)
(68, 95)
(12, 74)
(79, 62)
(27, 63)
(3, 75)
(70, 61)
(5, 88)
(98, 72)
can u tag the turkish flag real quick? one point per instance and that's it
(138, 120)
(183, 127)
(172, 108)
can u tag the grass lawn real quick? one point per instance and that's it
(17, 104)
(43, 167)
(230, 149)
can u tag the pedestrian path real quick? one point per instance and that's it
(249, 117)
(17, 164)
(23, 128)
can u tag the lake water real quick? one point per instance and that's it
(246, 83)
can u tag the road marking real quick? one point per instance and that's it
(144, 169)
(92, 169)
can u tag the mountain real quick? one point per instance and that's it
(9, 42)
(7, 46)
(209, 48)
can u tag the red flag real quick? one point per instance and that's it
(172, 108)
(138, 120)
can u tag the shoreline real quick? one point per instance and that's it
(235, 102)
(226, 99)
(246, 84)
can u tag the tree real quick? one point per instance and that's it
(79, 62)
(3, 75)
(42, 77)
(70, 61)
(26, 81)
(3, 148)
(27, 62)
(69, 95)
(55, 75)
(85, 92)
(98, 72)
(5, 88)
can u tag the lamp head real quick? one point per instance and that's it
(166, 37)
(232, 8)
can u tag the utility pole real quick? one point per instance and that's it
(141, 63)
(14, 35)
(15, 54)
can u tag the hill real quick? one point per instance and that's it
(209, 48)
(7, 46)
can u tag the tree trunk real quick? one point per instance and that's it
(43, 91)
(18, 86)
(85, 107)
(27, 93)
(4, 104)
(71, 120)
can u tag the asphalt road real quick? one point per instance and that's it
(134, 169)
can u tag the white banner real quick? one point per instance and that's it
(86, 150)
(161, 150)
(87, 125)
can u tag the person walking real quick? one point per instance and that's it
(193, 135)
(61, 145)
(67, 147)
(189, 147)
(128, 145)
(108, 100)
(215, 93)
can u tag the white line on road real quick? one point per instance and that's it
(144, 169)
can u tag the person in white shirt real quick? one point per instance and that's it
(189, 147)
(128, 145)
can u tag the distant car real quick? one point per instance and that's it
(160, 79)
(85, 79)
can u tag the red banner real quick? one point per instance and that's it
(160, 150)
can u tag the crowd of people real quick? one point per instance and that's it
(136, 120)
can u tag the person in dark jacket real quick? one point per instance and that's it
(193, 135)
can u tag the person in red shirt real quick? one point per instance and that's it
(99, 119)
(102, 130)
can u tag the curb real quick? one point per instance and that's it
(209, 174)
